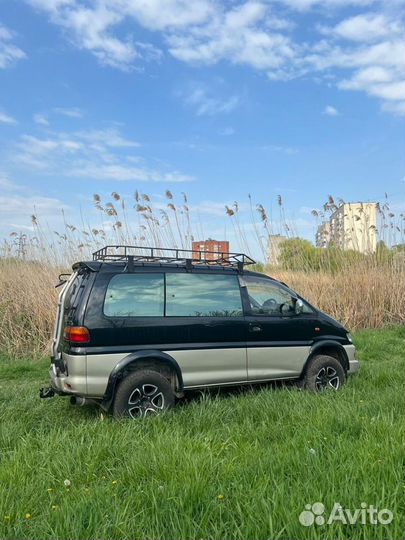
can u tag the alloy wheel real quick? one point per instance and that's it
(327, 379)
(145, 400)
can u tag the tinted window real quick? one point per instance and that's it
(202, 295)
(267, 297)
(135, 295)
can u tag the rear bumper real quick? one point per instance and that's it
(57, 381)
(73, 380)
(353, 362)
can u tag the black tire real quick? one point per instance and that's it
(323, 373)
(143, 393)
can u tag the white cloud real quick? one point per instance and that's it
(41, 119)
(329, 110)
(107, 137)
(90, 28)
(206, 102)
(95, 154)
(168, 14)
(6, 118)
(6, 184)
(249, 33)
(18, 201)
(303, 5)
(22, 205)
(366, 27)
(239, 35)
(71, 112)
(9, 53)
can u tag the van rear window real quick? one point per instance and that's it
(135, 295)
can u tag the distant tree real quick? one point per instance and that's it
(298, 254)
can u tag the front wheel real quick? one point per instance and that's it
(324, 373)
(143, 393)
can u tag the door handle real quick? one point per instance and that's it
(255, 327)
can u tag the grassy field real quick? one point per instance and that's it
(239, 465)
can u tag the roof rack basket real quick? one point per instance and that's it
(173, 256)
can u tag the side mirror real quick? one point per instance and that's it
(299, 306)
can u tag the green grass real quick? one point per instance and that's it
(235, 466)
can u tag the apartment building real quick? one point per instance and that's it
(218, 248)
(351, 226)
(323, 235)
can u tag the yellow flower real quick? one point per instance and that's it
(49, 490)
(114, 482)
(28, 516)
(55, 507)
(221, 497)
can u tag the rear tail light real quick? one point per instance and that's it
(76, 334)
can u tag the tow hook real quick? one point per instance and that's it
(45, 393)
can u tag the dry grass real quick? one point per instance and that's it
(359, 297)
(27, 307)
(365, 292)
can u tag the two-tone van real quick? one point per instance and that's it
(137, 327)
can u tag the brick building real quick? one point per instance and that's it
(219, 248)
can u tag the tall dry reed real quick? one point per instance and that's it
(361, 292)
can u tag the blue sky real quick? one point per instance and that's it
(301, 98)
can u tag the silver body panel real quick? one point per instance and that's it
(88, 374)
(276, 362)
(199, 367)
(211, 366)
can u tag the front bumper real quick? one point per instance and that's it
(354, 364)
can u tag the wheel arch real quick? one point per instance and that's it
(329, 348)
(153, 360)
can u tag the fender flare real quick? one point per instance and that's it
(326, 343)
(131, 360)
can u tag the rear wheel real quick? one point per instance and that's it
(324, 373)
(143, 393)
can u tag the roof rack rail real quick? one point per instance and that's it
(173, 256)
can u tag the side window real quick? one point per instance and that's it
(202, 295)
(135, 295)
(268, 298)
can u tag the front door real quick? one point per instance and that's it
(278, 339)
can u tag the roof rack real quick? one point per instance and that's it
(177, 257)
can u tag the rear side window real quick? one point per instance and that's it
(135, 295)
(202, 295)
